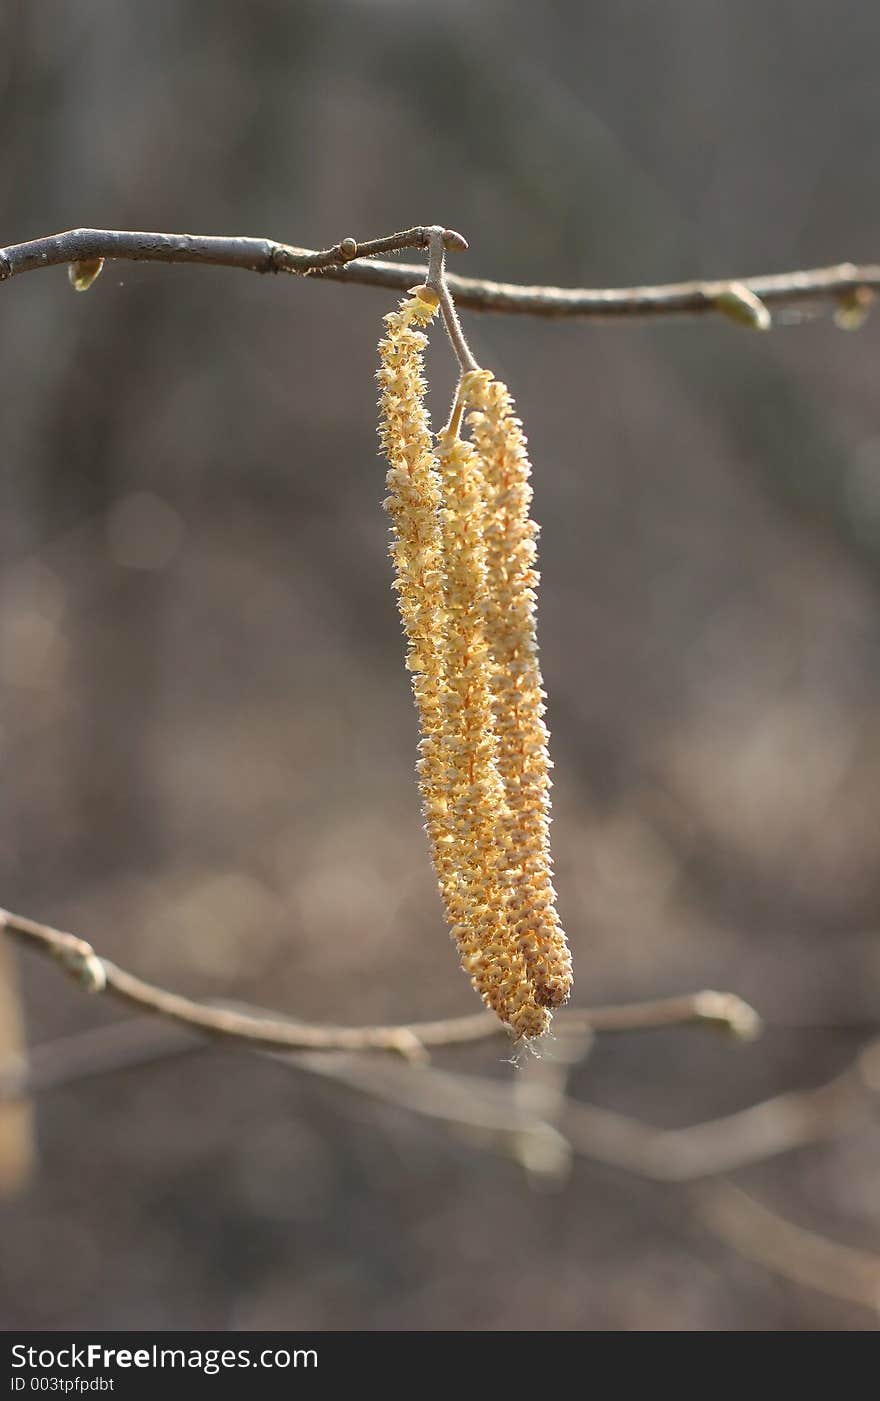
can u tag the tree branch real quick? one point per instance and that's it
(218, 250)
(268, 1030)
(758, 1233)
(541, 1127)
(84, 1055)
(710, 1149)
(849, 285)
(719, 1146)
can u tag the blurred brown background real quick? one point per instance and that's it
(206, 733)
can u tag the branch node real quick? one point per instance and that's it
(80, 960)
(280, 258)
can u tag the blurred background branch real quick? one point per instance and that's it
(535, 1121)
(804, 1257)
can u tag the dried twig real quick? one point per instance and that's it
(849, 285)
(85, 1055)
(218, 250)
(762, 1235)
(717, 1146)
(713, 1148)
(266, 1029)
(532, 1117)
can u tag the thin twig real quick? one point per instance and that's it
(101, 1050)
(219, 250)
(350, 261)
(720, 1009)
(713, 1148)
(524, 1116)
(760, 1234)
(719, 1146)
(709, 1149)
(268, 1030)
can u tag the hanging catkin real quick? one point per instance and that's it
(475, 792)
(522, 740)
(413, 503)
(464, 552)
(456, 764)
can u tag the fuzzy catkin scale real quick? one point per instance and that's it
(439, 573)
(522, 757)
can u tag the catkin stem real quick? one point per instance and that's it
(436, 281)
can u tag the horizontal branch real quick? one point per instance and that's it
(847, 284)
(216, 250)
(743, 299)
(268, 1030)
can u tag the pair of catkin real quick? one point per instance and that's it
(463, 546)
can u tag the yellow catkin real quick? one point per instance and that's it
(427, 587)
(518, 696)
(474, 790)
(413, 504)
